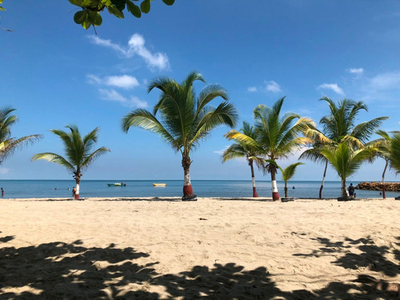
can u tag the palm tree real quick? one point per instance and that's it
(288, 173)
(184, 119)
(395, 151)
(383, 146)
(8, 144)
(77, 150)
(277, 136)
(339, 126)
(346, 160)
(242, 149)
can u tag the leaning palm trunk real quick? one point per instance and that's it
(253, 179)
(323, 180)
(383, 180)
(344, 189)
(187, 185)
(275, 192)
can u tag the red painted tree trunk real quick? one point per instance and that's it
(275, 192)
(187, 185)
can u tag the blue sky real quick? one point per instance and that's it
(56, 73)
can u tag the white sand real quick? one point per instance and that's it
(222, 249)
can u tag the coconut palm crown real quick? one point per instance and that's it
(279, 136)
(248, 148)
(8, 144)
(182, 119)
(340, 126)
(78, 155)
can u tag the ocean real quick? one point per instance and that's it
(173, 188)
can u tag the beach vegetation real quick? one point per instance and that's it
(383, 146)
(90, 13)
(395, 151)
(183, 119)
(279, 136)
(288, 173)
(78, 152)
(346, 160)
(8, 144)
(246, 146)
(340, 126)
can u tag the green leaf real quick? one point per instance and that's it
(2, 8)
(120, 4)
(98, 21)
(76, 2)
(169, 2)
(134, 9)
(115, 11)
(94, 18)
(86, 24)
(80, 16)
(145, 6)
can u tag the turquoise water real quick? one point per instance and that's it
(144, 188)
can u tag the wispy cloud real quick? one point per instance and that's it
(123, 81)
(272, 86)
(332, 86)
(136, 46)
(252, 89)
(386, 81)
(358, 71)
(113, 95)
(220, 152)
(4, 171)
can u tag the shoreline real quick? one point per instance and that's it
(107, 248)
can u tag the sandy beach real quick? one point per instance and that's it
(219, 249)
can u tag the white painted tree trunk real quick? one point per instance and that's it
(77, 191)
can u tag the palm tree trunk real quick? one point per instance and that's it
(253, 179)
(383, 180)
(78, 181)
(323, 180)
(344, 189)
(286, 190)
(187, 185)
(275, 192)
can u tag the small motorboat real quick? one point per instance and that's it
(159, 184)
(116, 184)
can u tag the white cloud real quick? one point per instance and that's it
(356, 71)
(220, 152)
(387, 81)
(123, 81)
(4, 171)
(272, 86)
(136, 46)
(252, 89)
(332, 86)
(113, 95)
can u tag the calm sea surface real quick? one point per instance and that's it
(144, 188)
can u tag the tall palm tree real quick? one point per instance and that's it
(277, 136)
(346, 160)
(340, 126)
(182, 119)
(77, 150)
(242, 149)
(8, 144)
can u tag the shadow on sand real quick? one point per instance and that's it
(71, 271)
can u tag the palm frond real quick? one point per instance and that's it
(54, 158)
